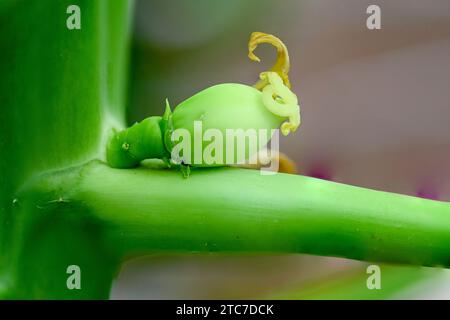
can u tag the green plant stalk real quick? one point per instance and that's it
(61, 92)
(144, 210)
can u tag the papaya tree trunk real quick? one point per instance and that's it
(61, 91)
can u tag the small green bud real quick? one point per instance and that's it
(127, 148)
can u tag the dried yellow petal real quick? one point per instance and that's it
(282, 64)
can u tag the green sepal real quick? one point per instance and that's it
(185, 170)
(167, 128)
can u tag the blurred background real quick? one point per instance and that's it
(375, 108)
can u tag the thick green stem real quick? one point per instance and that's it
(94, 216)
(62, 91)
(238, 210)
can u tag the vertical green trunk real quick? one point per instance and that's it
(60, 92)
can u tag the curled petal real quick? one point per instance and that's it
(281, 66)
(281, 101)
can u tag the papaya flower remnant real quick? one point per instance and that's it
(226, 124)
